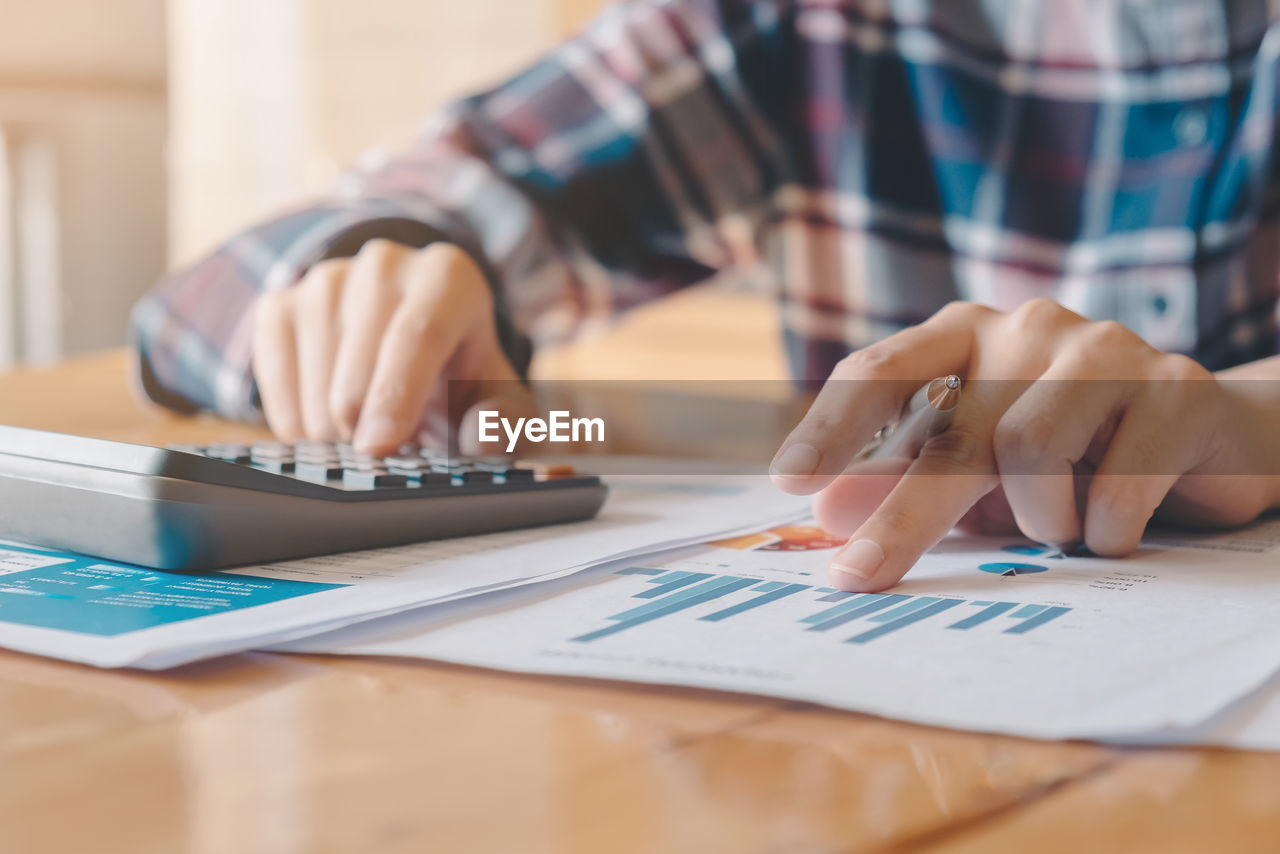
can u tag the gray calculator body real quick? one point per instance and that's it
(188, 510)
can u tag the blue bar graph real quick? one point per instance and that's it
(831, 612)
(772, 592)
(869, 604)
(1037, 621)
(937, 606)
(993, 610)
(672, 581)
(678, 601)
(697, 591)
(903, 610)
(669, 592)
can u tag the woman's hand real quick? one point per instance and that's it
(362, 349)
(1068, 430)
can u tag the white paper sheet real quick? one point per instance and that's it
(111, 615)
(1251, 723)
(1002, 637)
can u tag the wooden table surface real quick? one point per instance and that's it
(275, 753)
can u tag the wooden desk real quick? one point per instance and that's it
(273, 753)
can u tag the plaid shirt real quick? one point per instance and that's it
(866, 161)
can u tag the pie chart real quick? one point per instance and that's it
(1021, 549)
(1049, 552)
(1008, 569)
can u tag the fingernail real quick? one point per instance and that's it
(799, 460)
(856, 562)
(380, 432)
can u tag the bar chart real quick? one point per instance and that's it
(870, 616)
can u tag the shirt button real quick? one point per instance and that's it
(1191, 126)
(1159, 305)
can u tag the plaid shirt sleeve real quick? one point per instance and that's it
(628, 163)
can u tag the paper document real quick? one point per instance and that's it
(1250, 723)
(985, 634)
(98, 612)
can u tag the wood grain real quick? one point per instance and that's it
(272, 753)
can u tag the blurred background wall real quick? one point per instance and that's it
(82, 187)
(136, 134)
(271, 99)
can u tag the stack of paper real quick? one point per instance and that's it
(718, 582)
(987, 634)
(113, 615)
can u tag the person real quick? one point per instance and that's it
(1070, 204)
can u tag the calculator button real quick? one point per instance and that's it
(373, 478)
(315, 456)
(275, 466)
(408, 463)
(318, 472)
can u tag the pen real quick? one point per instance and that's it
(926, 414)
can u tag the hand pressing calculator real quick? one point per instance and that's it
(199, 508)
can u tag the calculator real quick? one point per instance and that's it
(225, 505)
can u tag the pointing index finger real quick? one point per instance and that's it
(443, 304)
(868, 390)
(954, 471)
